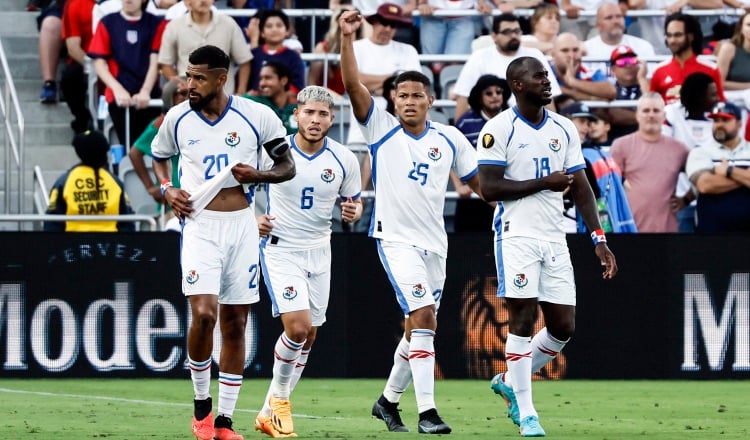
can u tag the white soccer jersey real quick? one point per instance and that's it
(530, 151)
(303, 205)
(207, 147)
(410, 175)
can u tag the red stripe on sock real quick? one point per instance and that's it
(286, 361)
(420, 354)
(548, 352)
(516, 356)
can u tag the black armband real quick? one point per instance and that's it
(276, 148)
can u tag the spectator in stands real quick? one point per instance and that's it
(446, 34)
(175, 91)
(575, 79)
(506, 32)
(688, 122)
(244, 21)
(545, 26)
(562, 101)
(581, 116)
(106, 7)
(274, 28)
(605, 178)
(650, 164)
(328, 73)
(630, 82)
(487, 99)
(77, 33)
(610, 22)
(733, 57)
(50, 45)
(652, 28)
(273, 91)
(685, 40)
(89, 188)
(201, 26)
(124, 49)
(582, 27)
(719, 171)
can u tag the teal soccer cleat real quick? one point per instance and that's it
(506, 392)
(530, 427)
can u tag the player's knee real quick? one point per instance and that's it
(298, 331)
(204, 318)
(423, 318)
(562, 331)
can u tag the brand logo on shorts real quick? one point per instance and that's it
(520, 280)
(232, 139)
(488, 140)
(554, 144)
(418, 291)
(289, 293)
(434, 154)
(327, 175)
(191, 277)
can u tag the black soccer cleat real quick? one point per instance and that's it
(431, 423)
(389, 413)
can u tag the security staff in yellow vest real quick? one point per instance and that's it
(89, 189)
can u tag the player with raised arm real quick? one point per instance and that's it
(411, 161)
(527, 158)
(219, 139)
(296, 246)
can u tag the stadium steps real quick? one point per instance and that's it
(47, 129)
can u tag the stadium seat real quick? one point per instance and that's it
(340, 129)
(428, 73)
(438, 116)
(140, 199)
(448, 77)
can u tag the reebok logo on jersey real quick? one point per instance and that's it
(488, 140)
(520, 146)
(193, 141)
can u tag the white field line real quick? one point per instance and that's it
(142, 402)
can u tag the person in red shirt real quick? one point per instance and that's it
(77, 34)
(684, 38)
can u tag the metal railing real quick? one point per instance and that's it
(41, 196)
(14, 141)
(26, 218)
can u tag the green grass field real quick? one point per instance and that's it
(63, 409)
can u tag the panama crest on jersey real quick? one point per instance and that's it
(418, 290)
(520, 280)
(327, 175)
(434, 154)
(554, 144)
(191, 277)
(289, 293)
(232, 139)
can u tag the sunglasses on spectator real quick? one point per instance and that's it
(492, 92)
(388, 23)
(508, 32)
(626, 61)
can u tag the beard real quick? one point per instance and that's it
(722, 136)
(202, 102)
(512, 46)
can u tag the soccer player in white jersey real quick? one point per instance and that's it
(411, 162)
(296, 246)
(219, 255)
(527, 157)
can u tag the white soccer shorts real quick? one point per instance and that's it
(297, 279)
(220, 256)
(417, 275)
(533, 268)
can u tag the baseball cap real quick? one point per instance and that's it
(578, 110)
(91, 147)
(621, 51)
(726, 110)
(391, 13)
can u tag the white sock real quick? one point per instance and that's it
(400, 373)
(286, 353)
(544, 348)
(200, 373)
(229, 390)
(518, 358)
(299, 368)
(422, 363)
